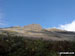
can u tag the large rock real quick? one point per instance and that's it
(33, 27)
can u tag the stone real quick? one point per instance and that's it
(33, 27)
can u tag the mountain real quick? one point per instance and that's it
(35, 31)
(33, 40)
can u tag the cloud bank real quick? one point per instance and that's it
(68, 27)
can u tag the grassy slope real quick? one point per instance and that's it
(19, 46)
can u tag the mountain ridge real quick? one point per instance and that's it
(35, 31)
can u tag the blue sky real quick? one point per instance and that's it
(48, 13)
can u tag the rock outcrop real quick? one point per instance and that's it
(33, 27)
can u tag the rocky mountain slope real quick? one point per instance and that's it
(35, 31)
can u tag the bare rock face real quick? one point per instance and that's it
(33, 27)
(28, 27)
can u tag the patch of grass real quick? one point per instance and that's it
(21, 46)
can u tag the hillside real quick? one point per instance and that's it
(33, 40)
(36, 31)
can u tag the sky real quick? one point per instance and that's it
(48, 13)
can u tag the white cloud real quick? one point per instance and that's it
(68, 27)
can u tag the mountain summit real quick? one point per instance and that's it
(33, 27)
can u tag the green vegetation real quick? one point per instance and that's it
(21, 46)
